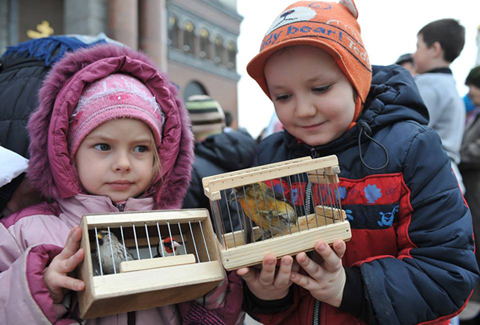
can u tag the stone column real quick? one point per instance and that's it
(86, 17)
(153, 38)
(123, 21)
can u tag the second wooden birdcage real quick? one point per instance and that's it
(282, 208)
(147, 259)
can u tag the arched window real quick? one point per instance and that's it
(194, 88)
(218, 57)
(232, 56)
(173, 31)
(189, 38)
(204, 44)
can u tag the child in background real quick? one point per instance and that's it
(439, 43)
(110, 135)
(410, 259)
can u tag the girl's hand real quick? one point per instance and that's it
(326, 280)
(264, 284)
(56, 274)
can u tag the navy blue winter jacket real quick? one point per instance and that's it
(410, 259)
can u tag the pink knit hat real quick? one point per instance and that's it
(113, 97)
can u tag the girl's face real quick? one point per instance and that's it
(116, 159)
(313, 98)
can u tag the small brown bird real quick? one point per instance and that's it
(267, 208)
(170, 245)
(104, 240)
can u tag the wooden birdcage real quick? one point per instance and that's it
(249, 205)
(151, 279)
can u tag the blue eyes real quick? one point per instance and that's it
(106, 147)
(102, 147)
(140, 149)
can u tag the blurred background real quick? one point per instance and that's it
(205, 45)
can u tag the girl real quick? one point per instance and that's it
(110, 135)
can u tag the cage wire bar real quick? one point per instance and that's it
(308, 186)
(148, 246)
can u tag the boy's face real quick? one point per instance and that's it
(313, 98)
(116, 159)
(423, 56)
(474, 94)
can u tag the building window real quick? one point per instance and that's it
(204, 44)
(232, 56)
(194, 88)
(189, 38)
(173, 31)
(218, 58)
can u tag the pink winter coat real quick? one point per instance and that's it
(31, 238)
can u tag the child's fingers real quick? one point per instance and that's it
(339, 247)
(72, 243)
(312, 268)
(331, 261)
(70, 283)
(71, 263)
(247, 274)
(283, 275)
(303, 281)
(268, 270)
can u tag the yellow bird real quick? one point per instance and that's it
(267, 208)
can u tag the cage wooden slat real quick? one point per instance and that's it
(292, 244)
(148, 217)
(124, 292)
(212, 186)
(157, 262)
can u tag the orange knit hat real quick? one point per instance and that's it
(330, 26)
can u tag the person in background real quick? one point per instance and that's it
(228, 121)
(470, 169)
(22, 70)
(410, 259)
(216, 152)
(406, 61)
(439, 43)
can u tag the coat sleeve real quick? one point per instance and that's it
(435, 270)
(24, 297)
(222, 305)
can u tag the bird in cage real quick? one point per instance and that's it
(267, 208)
(120, 252)
(170, 245)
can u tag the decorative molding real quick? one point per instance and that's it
(181, 57)
(184, 15)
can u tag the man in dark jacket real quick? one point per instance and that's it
(216, 152)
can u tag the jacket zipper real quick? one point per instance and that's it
(316, 313)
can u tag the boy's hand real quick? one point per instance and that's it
(264, 284)
(56, 274)
(327, 279)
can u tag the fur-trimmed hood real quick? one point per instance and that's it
(51, 169)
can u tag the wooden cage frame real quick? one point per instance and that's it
(328, 228)
(148, 287)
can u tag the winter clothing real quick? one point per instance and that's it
(206, 114)
(470, 169)
(219, 154)
(446, 111)
(410, 259)
(113, 97)
(31, 238)
(330, 26)
(22, 70)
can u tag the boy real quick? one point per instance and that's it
(410, 259)
(439, 43)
